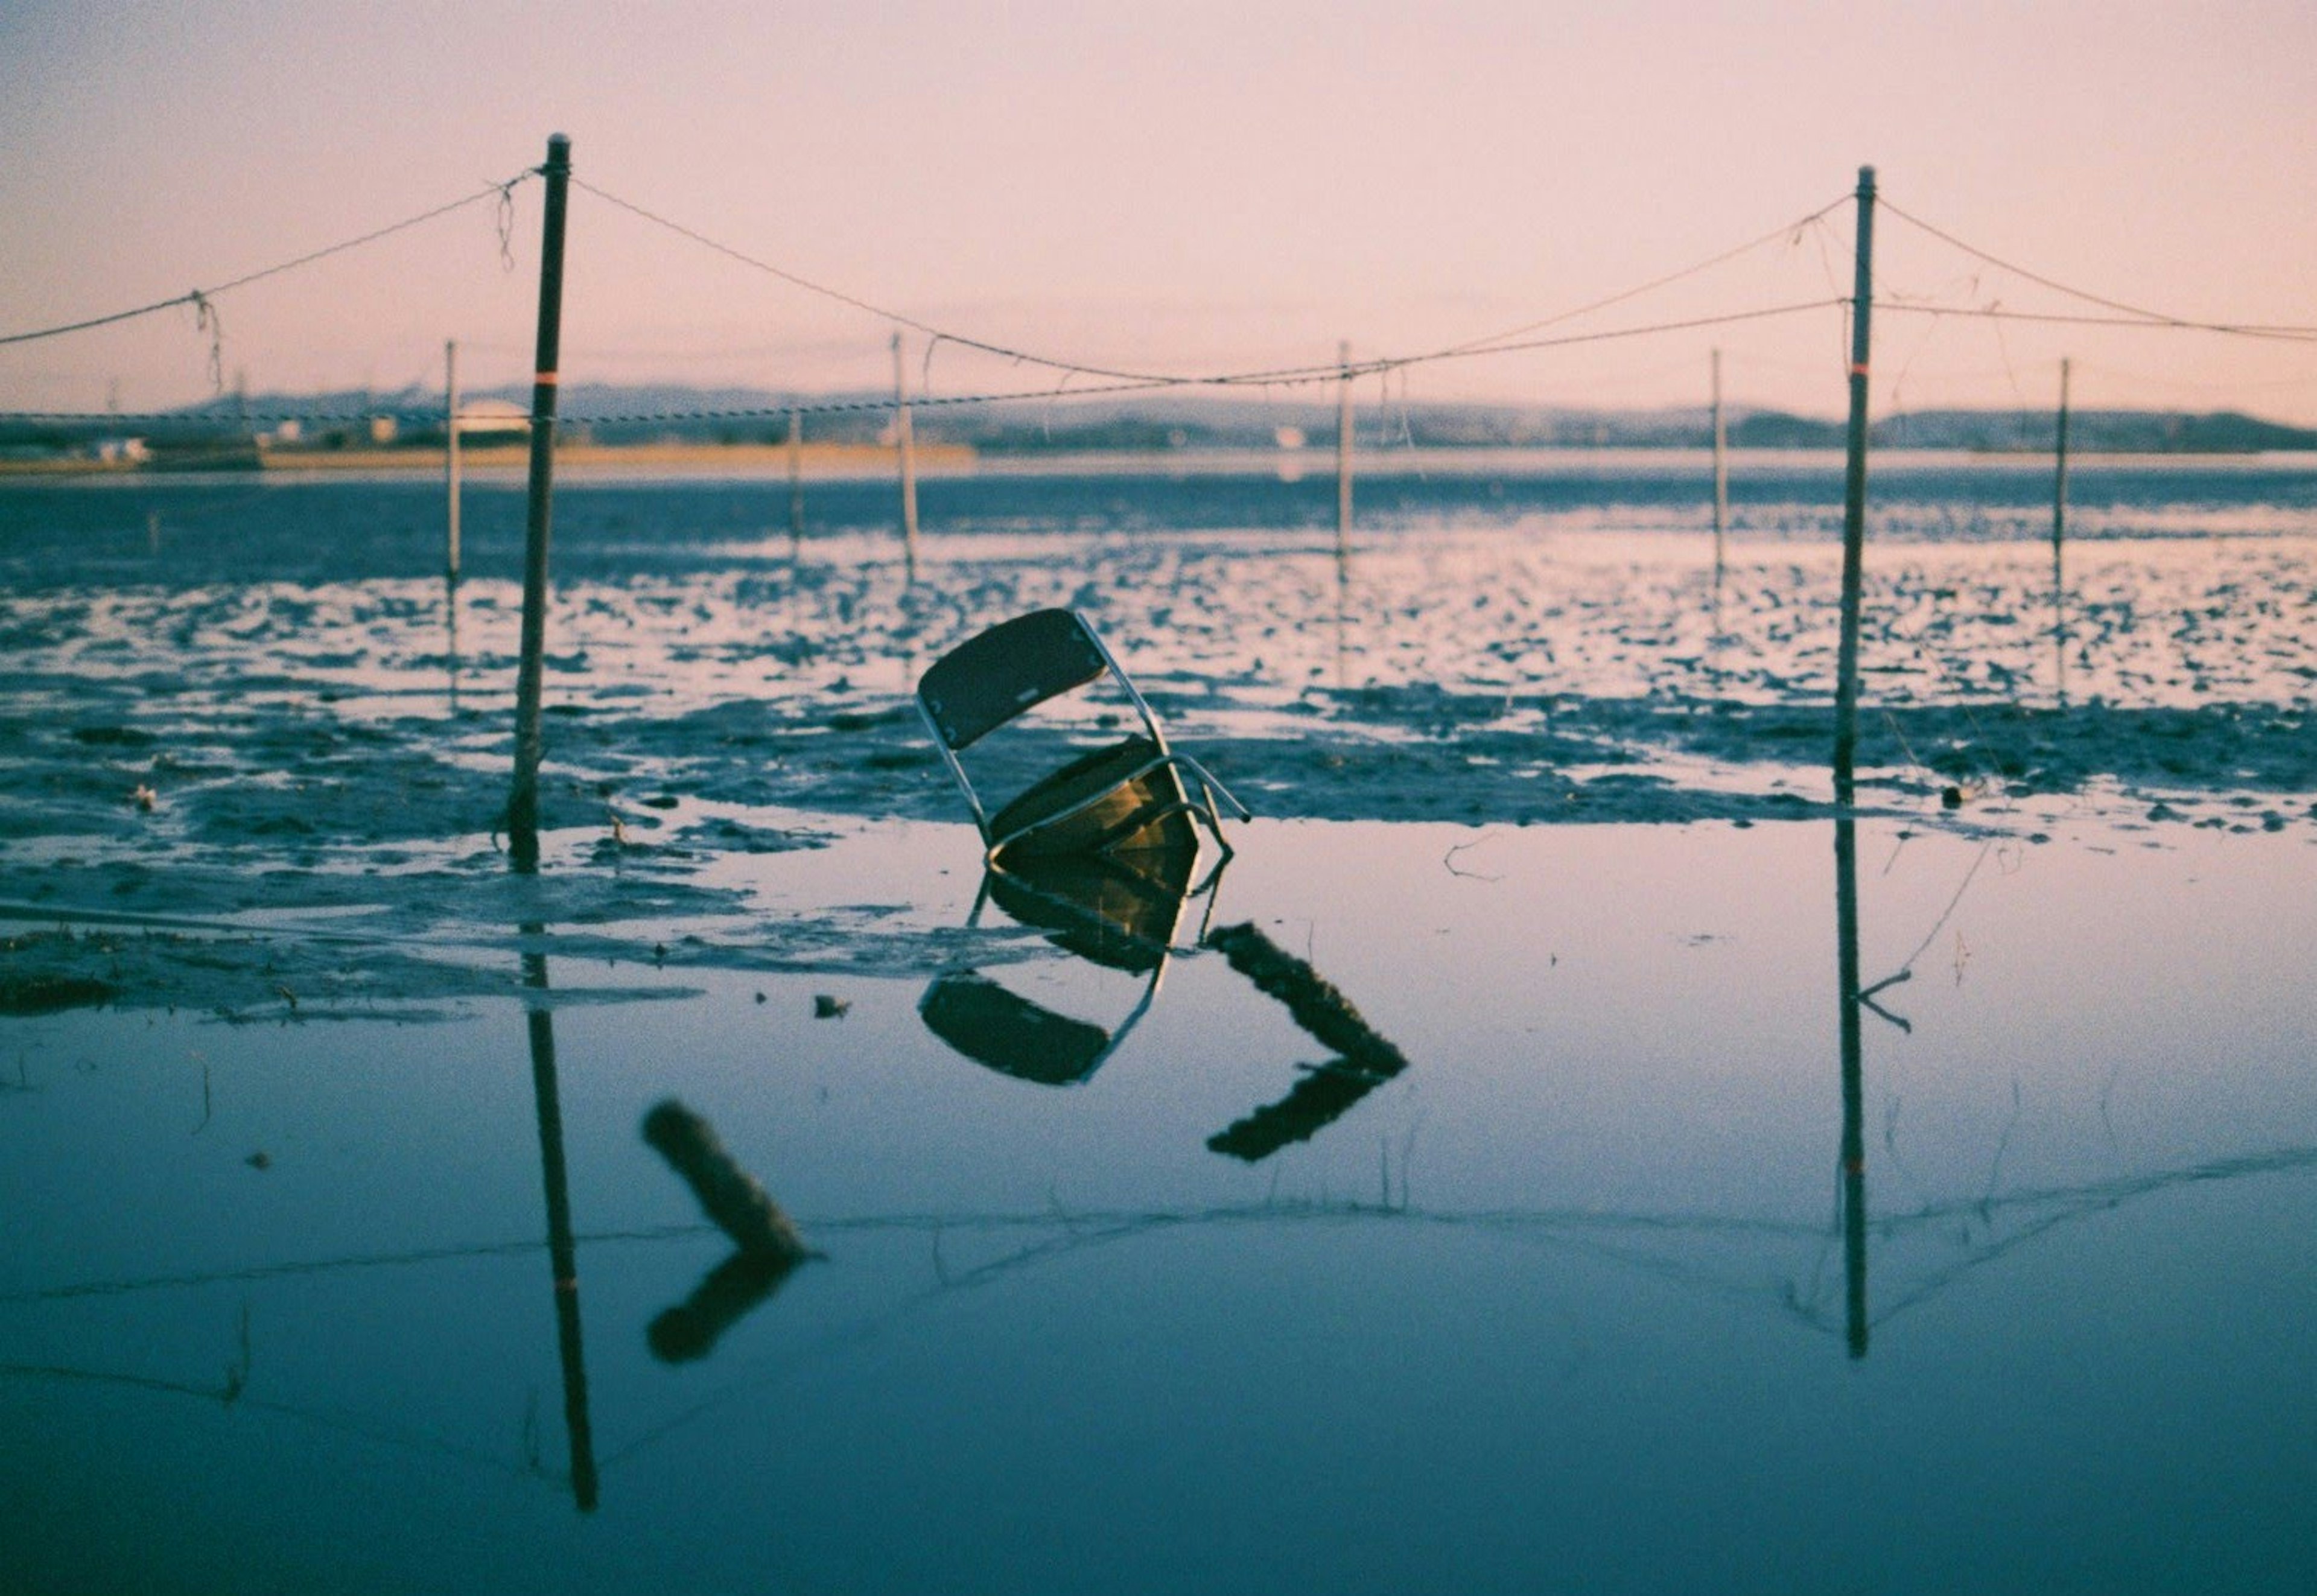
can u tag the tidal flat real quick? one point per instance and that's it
(1770, 1196)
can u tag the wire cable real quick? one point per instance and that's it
(2138, 313)
(1792, 231)
(2280, 335)
(200, 298)
(1494, 342)
(1300, 377)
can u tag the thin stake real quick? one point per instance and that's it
(1343, 452)
(522, 801)
(796, 482)
(1854, 500)
(451, 453)
(905, 441)
(2059, 535)
(1721, 471)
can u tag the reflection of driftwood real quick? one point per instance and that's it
(1320, 1099)
(721, 1300)
(1326, 1091)
(1315, 1004)
(728, 1194)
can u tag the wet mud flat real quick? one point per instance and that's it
(237, 716)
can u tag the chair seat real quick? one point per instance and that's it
(1107, 799)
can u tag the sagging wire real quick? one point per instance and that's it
(1790, 231)
(1267, 382)
(197, 296)
(1493, 344)
(2139, 314)
(855, 302)
(2279, 334)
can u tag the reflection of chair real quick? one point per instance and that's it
(1121, 912)
(1129, 798)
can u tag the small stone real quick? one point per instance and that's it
(824, 1007)
(260, 1159)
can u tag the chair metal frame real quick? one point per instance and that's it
(954, 732)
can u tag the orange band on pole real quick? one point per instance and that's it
(549, 378)
(1858, 370)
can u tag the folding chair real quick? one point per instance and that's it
(1128, 798)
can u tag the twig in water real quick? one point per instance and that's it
(1449, 860)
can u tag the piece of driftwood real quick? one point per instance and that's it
(1311, 1000)
(728, 1193)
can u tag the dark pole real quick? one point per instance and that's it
(1854, 1137)
(1343, 453)
(1854, 499)
(905, 441)
(522, 801)
(563, 1255)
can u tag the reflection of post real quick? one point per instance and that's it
(450, 627)
(1854, 1140)
(1343, 605)
(562, 1254)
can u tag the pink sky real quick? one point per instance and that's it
(1193, 189)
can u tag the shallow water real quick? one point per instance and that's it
(1581, 1297)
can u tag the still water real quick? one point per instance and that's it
(1654, 1265)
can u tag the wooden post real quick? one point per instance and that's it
(451, 455)
(796, 482)
(1343, 453)
(1721, 471)
(906, 442)
(1854, 500)
(523, 800)
(2059, 537)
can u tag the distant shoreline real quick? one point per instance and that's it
(823, 462)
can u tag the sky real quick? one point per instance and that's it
(1187, 189)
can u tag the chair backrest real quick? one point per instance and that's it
(987, 680)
